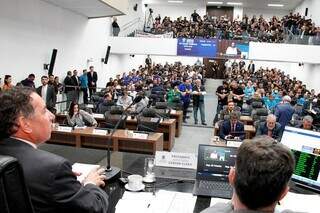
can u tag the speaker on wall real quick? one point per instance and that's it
(306, 12)
(107, 55)
(52, 61)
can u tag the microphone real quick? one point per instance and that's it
(113, 173)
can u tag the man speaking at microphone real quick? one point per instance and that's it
(53, 187)
(233, 128)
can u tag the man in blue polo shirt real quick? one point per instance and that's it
(185, 89)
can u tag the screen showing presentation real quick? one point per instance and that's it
(233, 49)
(305, 146)
(197, 47)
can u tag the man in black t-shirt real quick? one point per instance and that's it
(195, 16)
(222, 93)
(237, 93)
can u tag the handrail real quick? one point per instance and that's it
(125, 26)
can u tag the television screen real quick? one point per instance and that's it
(305, 146)
(233, 49)
(197, 47)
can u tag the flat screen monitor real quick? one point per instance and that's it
(233, 49)
(197, 47)
(305, 146)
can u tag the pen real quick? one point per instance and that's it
(148, 205)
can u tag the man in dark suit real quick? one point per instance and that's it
(75, 81)
(271, 128)
(92, 80)
(233, 128)
(251, 67)
(47, 93)
(198, 92)
(25, 123)
(69, 88)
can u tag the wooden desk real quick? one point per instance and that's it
(246, 119)
(178, 115)
(167, 127)
(120, 140)
(248, 129)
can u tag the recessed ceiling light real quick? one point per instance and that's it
(275, 5)
(234, 3)
(215, 2)
(177, 2)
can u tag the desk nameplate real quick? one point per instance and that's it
(176, 160)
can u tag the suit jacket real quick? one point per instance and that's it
(284, 112)
(225, 130)
(75, 81)
(92, 78)
(276, 132)
(68, 82)
(52, 185)
(51, 96)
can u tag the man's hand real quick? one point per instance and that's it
(96, 177)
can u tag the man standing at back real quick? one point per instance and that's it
(260, 177)
(26, 123)
(92, 80)
(47, 93)
(29, 82)
(284, 111)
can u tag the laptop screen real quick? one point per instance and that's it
(214, 162)
(305, 146)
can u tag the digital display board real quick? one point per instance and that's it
(197, 47)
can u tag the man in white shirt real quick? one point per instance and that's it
(232, 50)
(47, 93)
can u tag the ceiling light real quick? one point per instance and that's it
(234, 3)
(215, 2)
(275, 5)
(177, 2)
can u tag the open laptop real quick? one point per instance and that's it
(214, 163)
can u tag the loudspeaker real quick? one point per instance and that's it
(306, 12)
(52, 61)
(135, 7)
(107, 55)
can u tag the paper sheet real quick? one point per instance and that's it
(162, 202)
(299, 203)
(84, 169)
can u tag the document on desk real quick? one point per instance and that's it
(162, 202)
(299, 203)
(215, 200)
(84, 169)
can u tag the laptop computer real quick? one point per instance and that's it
(214, 163)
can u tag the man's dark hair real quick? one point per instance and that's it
(263, 169)
(31, 76)
(13, 103)
(44, 76)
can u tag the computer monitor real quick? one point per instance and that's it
(305, 146)
(214, 162)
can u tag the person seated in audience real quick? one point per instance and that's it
(270, 102)
(232, 128)
(248, 90)
(105, 104)
(79, 117)
(237, 93)
(125, 100)
(225, 114)
(270, 127)
(7, 83)
(174, 95)
(29, 82)
(260, 178)
(307, 123)
(284, 111)
(142, 102)
(53, 186)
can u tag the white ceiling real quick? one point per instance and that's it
(88, 8)
(254, 4)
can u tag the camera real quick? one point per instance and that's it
(150, 10)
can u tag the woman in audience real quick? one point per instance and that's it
(7, 84)
(79, 117)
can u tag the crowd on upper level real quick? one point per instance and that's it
(256, 28)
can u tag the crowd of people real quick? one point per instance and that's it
(287, 101)
(248, 28)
